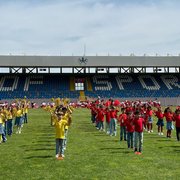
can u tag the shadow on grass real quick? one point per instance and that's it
(40, 149)
(111, 148)
(38, 157)
(122, 152)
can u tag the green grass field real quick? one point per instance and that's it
(90, 154)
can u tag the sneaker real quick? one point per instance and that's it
(64, 148)
(162, 134)
(159, 133)
(57, 155)
(148, 131)
(62, 155)
(152, 131)
(139, 153)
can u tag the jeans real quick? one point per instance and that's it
(123, 132)
(107, 127)
(178, 133)
(60, 146)
(113, 124)
(9, 127)
(130, 139)
(3, 133)
(138, 141)
(65, 139)
(100, 125)
(25, 118)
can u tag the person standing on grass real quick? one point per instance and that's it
(169, 118)
(130, 129)
(149, 114)
(100, 118)
(26, 107)
(113, 121)
(9, 117)
(2, 121)
(138, 137)
(59, 122)
(108, 118)
(19, 119)
(122, 119)
(160, 123)
(176, 118)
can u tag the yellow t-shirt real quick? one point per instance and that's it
(9, 115)
(60, 127)
(19, 113)
(26, 109)
(2, 118)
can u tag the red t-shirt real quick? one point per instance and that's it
(168, 116)
(138, 124)
(100, 115)
(159, 114)
(176, 118)
(122, 119)
(108, 117)
(149, 113)
(129, 125)
(113, 113)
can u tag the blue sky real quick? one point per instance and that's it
(54, 27)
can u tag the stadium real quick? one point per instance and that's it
(82, 78)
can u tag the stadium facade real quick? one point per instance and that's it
(124, 77)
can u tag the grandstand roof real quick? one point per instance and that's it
(89, 61)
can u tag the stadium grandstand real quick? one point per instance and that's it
(75, 77)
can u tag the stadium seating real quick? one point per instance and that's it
(103, 85)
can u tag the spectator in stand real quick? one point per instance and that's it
(176, 118)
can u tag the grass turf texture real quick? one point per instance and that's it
(90, 154)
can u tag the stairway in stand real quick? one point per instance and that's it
(82, 96)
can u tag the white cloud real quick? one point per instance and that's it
(104, 26)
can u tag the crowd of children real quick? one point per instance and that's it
(12, 116)
(133, 118)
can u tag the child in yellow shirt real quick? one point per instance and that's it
(60, 121)
(2, 124)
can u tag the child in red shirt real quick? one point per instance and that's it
(108, 119)
(160, 123)
(169, 118)
(113, 122)
(138, 127)
(130, 129)
(100, 118)
(176, 118)
(122, 119)
(149, 114)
